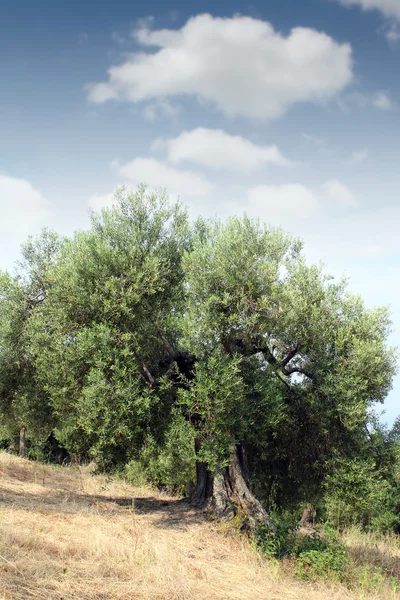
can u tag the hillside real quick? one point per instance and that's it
(65, 534)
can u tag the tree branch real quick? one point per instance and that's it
(241, 348)
(146, 375)
(173, 354)
(291, 354)
(291, 370)
(149, 376)
(268, 355)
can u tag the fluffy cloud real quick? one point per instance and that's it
(389, 8)
(336, 193)
(156, 174)
(22, 206)
(240, 65)
(382, 101)
(154, 110)
(216, 148)
(290, 203)
(391, 31)
(363, 234)
(334, 229)
(359, 156)
(98, 201)
(24, 210)
(282, 203)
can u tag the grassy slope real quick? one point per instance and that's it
(65, 534)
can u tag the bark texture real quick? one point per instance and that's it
(228, 492)
(307, 519)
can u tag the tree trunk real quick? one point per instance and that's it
(228, 492)
(22, 441)
(307, 520)
(203, 489)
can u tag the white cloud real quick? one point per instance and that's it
(331, 233)
(382, 101)
(282, 203)
(391, 31)
(389, 8)
(101, 92)
(21, 205)
(154, 110)
(216, 148)
(156, 174)
(336, 193)
(359, 156)
(240, 65)
(363, 234)
(98, 201)
(314, 140)
(290, 203)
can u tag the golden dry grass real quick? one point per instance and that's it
(382, 551)
(65, 534)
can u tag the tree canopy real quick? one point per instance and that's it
(209, 353)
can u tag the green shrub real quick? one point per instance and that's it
(134, 474)
(322, 557)
(314, 556)
(356, 494)
(171, 462)
(277, 542)
(313, 564)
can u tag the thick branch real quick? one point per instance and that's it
(290, 370)
(149, 376)
(173, 354)
(246, 350)
(291, 354)
(146, 375)
(271, 359)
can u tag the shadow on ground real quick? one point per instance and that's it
(176, 514)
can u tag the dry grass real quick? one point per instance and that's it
(65, 534)
(382, 551)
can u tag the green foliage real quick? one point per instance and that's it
(134, 474)
(96, 340)
(279, 541)
(171, 462)
(322, 557)
(359, 494)
(320, 554)
(214, 404)
(313, 555)
(364, 487)
(149, 342)
(23, 401)
(312, 358)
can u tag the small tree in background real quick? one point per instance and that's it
(24, 402)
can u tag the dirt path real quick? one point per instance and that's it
(67, 535)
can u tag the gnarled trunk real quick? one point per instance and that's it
(228, 492)
(307, 519)
(204, 481)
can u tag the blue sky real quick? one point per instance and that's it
(287, 110)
